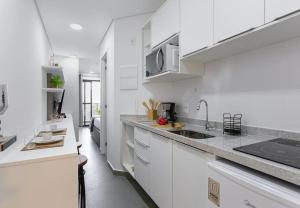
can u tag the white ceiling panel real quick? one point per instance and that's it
(95, 17)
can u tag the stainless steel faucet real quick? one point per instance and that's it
(207, 126)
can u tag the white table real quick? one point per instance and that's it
(45, 178)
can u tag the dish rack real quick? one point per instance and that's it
(232, 125)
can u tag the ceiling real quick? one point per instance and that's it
(94, 15)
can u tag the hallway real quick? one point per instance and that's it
(103, 188)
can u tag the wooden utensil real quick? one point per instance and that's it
(157, 105)
(146, 106)
(151, 103)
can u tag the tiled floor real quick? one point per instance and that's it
(103, 188)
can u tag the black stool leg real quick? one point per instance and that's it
(82, 188)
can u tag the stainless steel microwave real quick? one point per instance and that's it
(163, 59)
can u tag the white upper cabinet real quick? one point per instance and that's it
(279, 8)
(232, 17)
(196, 25)
(165, 22)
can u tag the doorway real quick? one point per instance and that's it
(103, 140)
(90, 88)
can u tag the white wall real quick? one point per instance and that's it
(108, 47)
(23, 50)
(262, 84)
(129, 52)
(71, 99)
(89, 66)
(123, 46)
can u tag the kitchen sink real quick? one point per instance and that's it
(191, 134)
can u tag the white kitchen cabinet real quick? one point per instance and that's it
(279, 8)
(196, 25)
(232, 17)
(142, 157)
(238, 187)
(161, 171)
(165, 22)
(141, 171)
(189, 177)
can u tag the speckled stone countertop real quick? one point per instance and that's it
(222, 146)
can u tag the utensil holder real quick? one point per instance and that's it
(232, 125)
(152, 114)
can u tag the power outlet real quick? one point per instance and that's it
(185, 108)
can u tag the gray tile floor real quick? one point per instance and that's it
(103, 188)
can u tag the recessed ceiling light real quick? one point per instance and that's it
(76, 26)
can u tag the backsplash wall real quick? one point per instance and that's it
(263, 84)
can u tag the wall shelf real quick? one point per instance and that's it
(268, 34)
(54, 70)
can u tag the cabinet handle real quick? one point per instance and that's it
(194, 52)
(286, 15)
(248, 204)
(142, 159)
(160, 51)
(142, 143)
(236, 35)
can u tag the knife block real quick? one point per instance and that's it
(152, 114)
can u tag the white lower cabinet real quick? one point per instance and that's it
(141, 171)
(161, 171)
(189, 177)
(142, 157)
(232, 187)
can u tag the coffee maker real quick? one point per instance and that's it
(169, 111)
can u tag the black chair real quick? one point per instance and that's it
(79, 145)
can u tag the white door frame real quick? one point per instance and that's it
(103, 138)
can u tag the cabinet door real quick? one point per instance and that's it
(279, 8)
(161, 171)
(165, 22)
(142, 157)
(232, 194)
(189, 177)
(196, 25)
(141, 171)
(232, 17)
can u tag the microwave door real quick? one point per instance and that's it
(151, 65)
(160, 60)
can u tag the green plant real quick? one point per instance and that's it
(56, 81)
(98, 111)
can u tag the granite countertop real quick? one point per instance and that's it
(222, 146)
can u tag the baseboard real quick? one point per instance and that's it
(117, 172)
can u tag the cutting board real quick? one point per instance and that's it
(168, 126)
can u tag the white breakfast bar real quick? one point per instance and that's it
(45, 178)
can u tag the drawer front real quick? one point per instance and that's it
(142, 150)
(142, 137)
(226, 193)
(141, 171)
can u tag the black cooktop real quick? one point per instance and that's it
(284, 151)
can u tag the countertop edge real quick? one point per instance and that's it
(274, 169)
